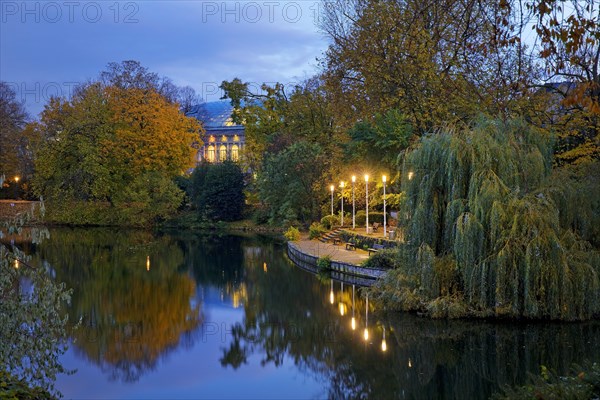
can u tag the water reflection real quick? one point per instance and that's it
(140, 296)
(129, 315)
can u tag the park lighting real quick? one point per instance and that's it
(410, 175)
(367, 202)
(147, 263)
(331, 187)
(353, 208)
(17, 179)
(384, 220)
(383, 342)
(342, 186)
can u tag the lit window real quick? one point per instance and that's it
(210, 153)
(223, 138)
(236, 138)
(211, 139)
(222, 153)
(235, 155)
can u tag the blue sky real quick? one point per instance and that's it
(47, 47)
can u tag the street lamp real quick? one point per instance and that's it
(342, 186)
(16, 186)
(353, 220)
(384, 220)
(367, 202)
(331, 187)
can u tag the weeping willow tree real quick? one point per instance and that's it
(492, 230)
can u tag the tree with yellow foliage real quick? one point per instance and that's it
(112, 152)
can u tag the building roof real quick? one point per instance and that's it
(215, 115)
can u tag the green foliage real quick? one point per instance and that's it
(330, 221)
(582, 384)
(109, 141)
(324, 264)
(383, 259)
(316, 230)
(361, 218)
(18, 389)
(380, 142)
(217, 191)
(487, 233)
(291, 183)
(32, 322)
(292, 234)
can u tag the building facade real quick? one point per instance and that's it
(223, 140)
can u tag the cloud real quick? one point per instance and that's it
(194, 43)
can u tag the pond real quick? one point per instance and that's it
(182, 315)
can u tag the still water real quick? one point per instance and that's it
(190, 316)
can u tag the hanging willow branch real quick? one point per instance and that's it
(483, 209)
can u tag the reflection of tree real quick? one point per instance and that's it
(287, 314)
(32, 323)
(130, 316)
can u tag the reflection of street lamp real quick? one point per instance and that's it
(147, 263)
(331, 293)
(331, 187)
(367, 206)
(384, 229)
(353, 182)
(366, 332)
(342, 186)
(383, 343)
(353, 319)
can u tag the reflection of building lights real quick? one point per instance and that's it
(383, 345)
(409, 363)
(265, 267)
(147, 263)
(366, 334)
(353, 323)
(342, 309)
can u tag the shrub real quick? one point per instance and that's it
(329, 221)
(374, 216)
(292, 234)
(324, 263)
(315, 230)
(383, 259)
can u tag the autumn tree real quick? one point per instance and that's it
(569, 35)
(437, 62)
(121, 144)
(15, 158)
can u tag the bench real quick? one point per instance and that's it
(350, 246)
(337, 240)
(375, 248)
(375, 226)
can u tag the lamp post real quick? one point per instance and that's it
(367, 202)
(16, 186)
(342, 186)
(353, 220)
(384, 220)
(331, 187)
